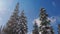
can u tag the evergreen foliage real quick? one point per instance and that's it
(45, 27)
(35, 31)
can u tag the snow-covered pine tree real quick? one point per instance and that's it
(23, 23)
(11, 24)
(45, 27)
(35, 31)
(58, 28)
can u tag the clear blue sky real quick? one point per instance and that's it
(31, 9)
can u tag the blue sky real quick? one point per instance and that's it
(31, 9)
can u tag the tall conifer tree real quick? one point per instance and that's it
(23, 23)
(45, 27)
(11, 24)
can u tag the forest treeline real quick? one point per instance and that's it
(17, 24)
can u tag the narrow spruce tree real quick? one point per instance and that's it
(58, 28)
(23, 23)
(45, 27)
(35, 31)
(12, 22)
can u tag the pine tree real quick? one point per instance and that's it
(35, 31)
(11, 24)
(23, 23)
(58, 28)
(45, 27)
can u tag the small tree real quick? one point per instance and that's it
(35, 31)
